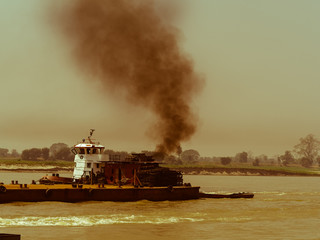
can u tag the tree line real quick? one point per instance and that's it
(305, 153)
(57, 151)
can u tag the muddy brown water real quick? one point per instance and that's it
(283, 208)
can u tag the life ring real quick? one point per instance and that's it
(81, 157)
(3, 189)
(48, 192)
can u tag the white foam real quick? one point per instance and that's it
(91, 220)
(233, 219)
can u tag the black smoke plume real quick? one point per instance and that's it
(128, 45)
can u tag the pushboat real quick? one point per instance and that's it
(104, 177)
(92, 166)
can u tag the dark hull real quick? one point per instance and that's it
(6, 236)
(123, 194)
(232, 195)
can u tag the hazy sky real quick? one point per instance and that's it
(260, 59)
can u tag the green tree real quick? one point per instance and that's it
(3, 152)
(242, 157)
(55, 148)
(190, 156)
(14, 153)
(34, 153)
(318, 160)
(45, 153)
(286, 159)
(64, 154)
(305, 162)
(256, 162)
(308, 149)
(225, 160)
(25, 154)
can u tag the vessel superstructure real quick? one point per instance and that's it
(93, 166)
(89, 158)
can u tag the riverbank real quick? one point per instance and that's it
(18, 165)
(40, 168)
(46, 169)
(247, 171)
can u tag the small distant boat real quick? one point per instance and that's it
(231, 195)
(55, 179)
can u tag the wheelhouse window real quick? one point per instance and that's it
(81, 150)
(88, 150)
(88, 165)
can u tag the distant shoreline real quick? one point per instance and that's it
(217, 171)
(241, 172)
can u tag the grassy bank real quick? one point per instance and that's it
(31, 163)
(246, 170)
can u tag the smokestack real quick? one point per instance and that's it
(127, 45)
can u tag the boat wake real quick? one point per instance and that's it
(32, 221)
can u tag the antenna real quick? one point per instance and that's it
(91, 132)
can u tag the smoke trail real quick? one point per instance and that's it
(129, 46)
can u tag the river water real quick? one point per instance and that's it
(283, 208)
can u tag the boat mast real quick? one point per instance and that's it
(91, 132)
